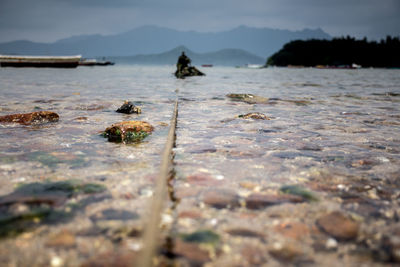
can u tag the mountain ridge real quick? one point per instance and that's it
(149, 39)
(223, 57)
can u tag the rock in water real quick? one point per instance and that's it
(128, 131)
(254, 116)
(30, 118)
(338, 225)
(187, 72)
(128, 108)
(248, 98)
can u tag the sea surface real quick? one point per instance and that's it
(332, 133)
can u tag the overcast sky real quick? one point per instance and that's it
(50, 20)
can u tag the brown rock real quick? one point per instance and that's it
(127, 130)
(30, 118)
(122, 258)
(338, 225)
(192, 252)
(191, 214)
(253, 255)
(63, 239)
(221, 199)
(255, 116)
(293, 230)
(245, 233)
(260, 201)
(202, 179)
(287, 252)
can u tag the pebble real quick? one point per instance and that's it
(30, 118)
(260, 201)
(63, 239)
(221, 199)
(338, 225)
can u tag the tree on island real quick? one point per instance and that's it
(343, 51)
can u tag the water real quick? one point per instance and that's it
(330, 131)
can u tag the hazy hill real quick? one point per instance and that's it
(152, 39)
(229, 57)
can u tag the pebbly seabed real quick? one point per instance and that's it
(272, 167)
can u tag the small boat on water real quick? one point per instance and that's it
(94, 62)
(207, 65)
(40, 61)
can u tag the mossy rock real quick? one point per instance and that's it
(298, 191)
(202, 236)
(128, 131)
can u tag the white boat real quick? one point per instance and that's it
(40, 61)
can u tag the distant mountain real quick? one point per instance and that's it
(262, 42)
(227, 57)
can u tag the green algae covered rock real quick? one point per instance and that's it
(128, 131)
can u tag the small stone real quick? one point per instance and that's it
(294, 230)
(63, 239)
(128, 131)
(202, 179)
(245, 233)
(254, 116)
(192, 252)
(286, 252)
(260, 201)
(331, 243)
(253, 255)
(298, 191)
(30, 118)
(202, 236)
(128, 108)
(339, 226)
(248, 98)
(221, 199)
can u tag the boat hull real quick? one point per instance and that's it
(40, 61)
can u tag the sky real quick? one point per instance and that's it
(51, 20)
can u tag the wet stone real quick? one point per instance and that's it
(287, 252)
(128, 131)
(295, 230)
(202, 236)
(192, 252)
(245, 233)
(120, 258)
(253, 255)
(338, 225)
(261, 201)
(30, 118)
(254, 116)
(63, 239)
(129, 108)
(298, 191)
(221, 199)
(114, 214)
(248, 98)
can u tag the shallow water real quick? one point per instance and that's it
(327, 129)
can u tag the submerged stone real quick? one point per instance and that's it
(298, 191)
(31, 204)
(261, 201)
(128, 108)
(255, 116)
(30, 118)
(221, 199)
(338, 225)
(128, 131)
(202, 236)
(248, 98)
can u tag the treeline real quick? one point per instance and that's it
(339, 52)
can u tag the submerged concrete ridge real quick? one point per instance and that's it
(152, 229)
